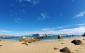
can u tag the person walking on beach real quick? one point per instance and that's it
(60, 37)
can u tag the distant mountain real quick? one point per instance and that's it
(8, 36)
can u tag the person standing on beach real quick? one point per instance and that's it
(60, 37)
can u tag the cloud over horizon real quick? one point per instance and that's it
(33, 2)
(81, 14)
(5, 31)
(75, 31)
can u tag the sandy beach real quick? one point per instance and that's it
(41, 46)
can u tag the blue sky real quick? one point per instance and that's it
(42, 16)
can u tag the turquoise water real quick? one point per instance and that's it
(49, 38)
(12, 39)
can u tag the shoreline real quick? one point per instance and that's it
(17, 40)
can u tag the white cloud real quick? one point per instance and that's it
(43, 16)
(46, 29)
(17, 20)
(24, 0)
(81, 14)
(5, 31)
(33, 2)
(80, 24)
(40, 32)
(51, 29)
(76, 31)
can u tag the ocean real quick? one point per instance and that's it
(48, 38)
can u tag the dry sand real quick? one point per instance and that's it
(41, 46)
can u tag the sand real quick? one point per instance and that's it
(41, 46)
